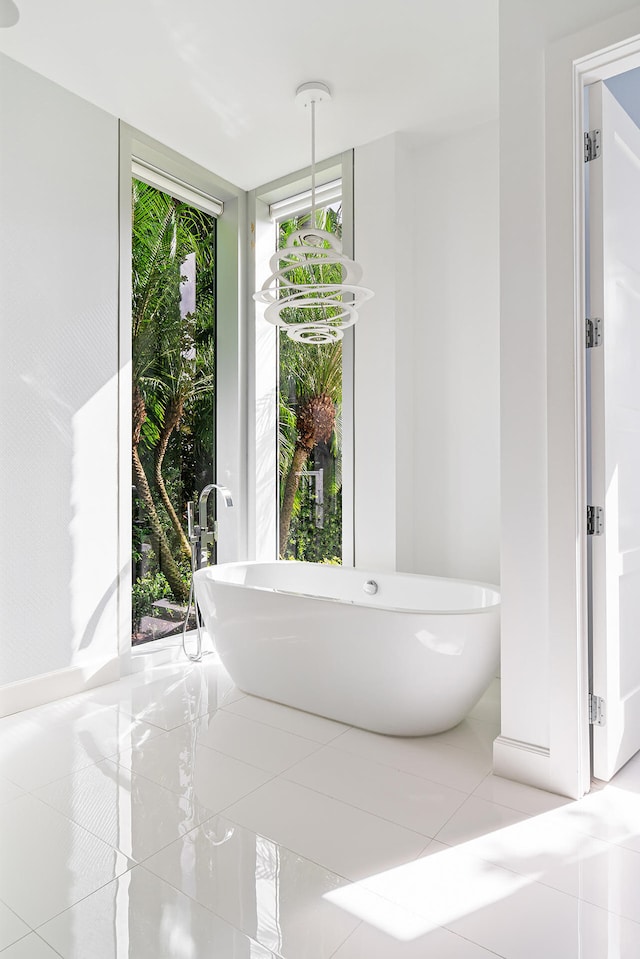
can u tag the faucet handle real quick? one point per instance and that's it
(190, 516)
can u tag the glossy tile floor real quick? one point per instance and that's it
(169, 815)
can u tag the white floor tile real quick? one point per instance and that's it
(141, 917)
(473, 735)
(291, 720)
(611, 814)
(410, 801)
(545, 850)
(348, 841)
(421, 756)
(252, 742)
(168, 697)
(64, 711)
(49, 862)
(388, 931)
(488, 707)
(177, 761)
(442, 885)
(475, 818)
(11, 927)
(8, 790)
(31, 947)
(505, 792)
(518, 873)
(125, 810)
(33, 753)
(104, 731)
(372, 943)
(31, 756)
(537, 921)
(262, 888)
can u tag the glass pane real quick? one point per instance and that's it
(310, 434)
(173, 336)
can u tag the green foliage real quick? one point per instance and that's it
(173, 368)
(307, 371)
(309, 543)
(146, 591)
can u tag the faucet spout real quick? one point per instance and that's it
(224, 491)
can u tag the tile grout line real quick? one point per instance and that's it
(48, 944)
(117, 849)
(346, 940)
(368, 812)
(287, 732)
(405, 772)
(347, 727)
(74, 904)
(343, 802)
(222, 918)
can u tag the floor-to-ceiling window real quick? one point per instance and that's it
(310, 423)
(173, 364)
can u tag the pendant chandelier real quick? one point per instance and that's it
(313, 291)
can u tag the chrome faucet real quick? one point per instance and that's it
(207, 537)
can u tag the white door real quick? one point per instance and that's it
(614, 281)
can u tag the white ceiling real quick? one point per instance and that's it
(216, 80)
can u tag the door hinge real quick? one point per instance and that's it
(595, 520)
(593, 332)
(597, 714)
(592, 145)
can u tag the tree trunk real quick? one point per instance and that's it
(161, 548)
(138, 414)
(172, 418)
(300, 457)
(167, 563)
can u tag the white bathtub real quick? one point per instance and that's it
(411, 660)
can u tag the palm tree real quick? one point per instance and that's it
(168, 372)
(316, 377)
(310, 379)
(167, 562)
(186, 375)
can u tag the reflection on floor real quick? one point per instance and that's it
(169, 815)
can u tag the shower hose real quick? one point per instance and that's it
(192, 602)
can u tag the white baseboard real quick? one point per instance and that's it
(523, 762)
(52, 686)
(169, 650)
(158, 653)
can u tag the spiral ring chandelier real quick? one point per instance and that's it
(303, 294)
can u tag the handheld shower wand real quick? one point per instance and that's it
(200, 538)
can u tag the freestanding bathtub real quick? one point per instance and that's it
(394, 653)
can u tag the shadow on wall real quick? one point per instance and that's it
(59, 319)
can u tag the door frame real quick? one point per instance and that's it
(571, 64)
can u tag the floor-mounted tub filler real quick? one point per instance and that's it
(394, 653)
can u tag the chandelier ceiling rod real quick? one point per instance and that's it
(313, 163)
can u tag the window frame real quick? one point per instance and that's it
(230, 403)
(269, 204)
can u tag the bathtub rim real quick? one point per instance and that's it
(370, 574)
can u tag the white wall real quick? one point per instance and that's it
(58, 430)
(525, 648)
(456, 357)
(383, 184)
(427, 356)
